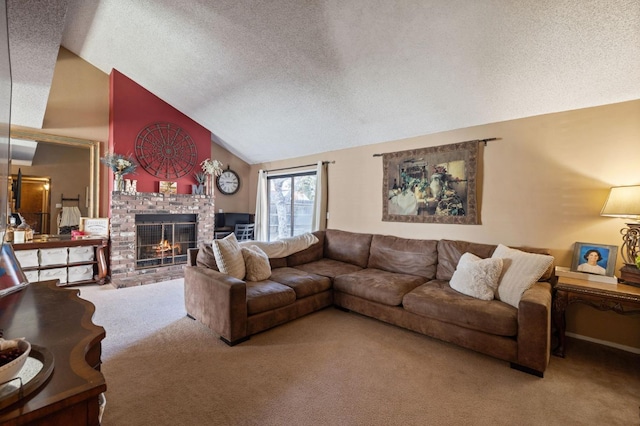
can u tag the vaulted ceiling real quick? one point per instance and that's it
(276, 79)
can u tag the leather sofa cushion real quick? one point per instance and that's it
(310, 254)
(347, 247)
(328, 268)
(277, 262)
(377, 285)
(437, 300)
(449, 253)
(267, 295)
(405, 256)
(303, 283)
(205, 257)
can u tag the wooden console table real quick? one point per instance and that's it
(97, 264)
(620, 298)
(60, 321)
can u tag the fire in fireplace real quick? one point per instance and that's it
(163, 239)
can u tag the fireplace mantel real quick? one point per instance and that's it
(124, 208)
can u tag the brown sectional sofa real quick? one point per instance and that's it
(400, 281)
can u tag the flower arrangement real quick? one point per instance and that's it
(119, 164)
(201, 177)
(211, 167)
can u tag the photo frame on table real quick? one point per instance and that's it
(592, 258)
(431, 185)
(95, 226)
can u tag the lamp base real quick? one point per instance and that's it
(630, 274)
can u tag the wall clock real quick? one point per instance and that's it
(228, 182)
(165, 150)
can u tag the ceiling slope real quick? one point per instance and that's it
(287, 78)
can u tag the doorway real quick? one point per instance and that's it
(35, 197)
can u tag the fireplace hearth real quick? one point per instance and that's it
(151, 232)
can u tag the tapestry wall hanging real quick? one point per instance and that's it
(431, 185)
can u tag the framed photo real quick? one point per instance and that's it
(431, 185)
(598, 259)
(168, 187)
(95, 225)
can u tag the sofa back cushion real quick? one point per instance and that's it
(403, 255)
(205, 257)
(450, 252)
(310, 254)
(349, 247)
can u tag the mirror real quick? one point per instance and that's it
(35, 207)
(86, 193)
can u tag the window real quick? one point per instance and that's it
(291, 203)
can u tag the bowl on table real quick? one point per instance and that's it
(13, 356)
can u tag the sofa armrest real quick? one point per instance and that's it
(534, 327)
(217, 300)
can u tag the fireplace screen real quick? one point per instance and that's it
(163, 239)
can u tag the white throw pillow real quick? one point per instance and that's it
(229, 256)
(520, 270)
(256, 263)
(476, 277)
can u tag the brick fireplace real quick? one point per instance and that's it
(124, 209)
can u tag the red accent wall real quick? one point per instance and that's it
(131, 109)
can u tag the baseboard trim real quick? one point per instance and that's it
(605, 343)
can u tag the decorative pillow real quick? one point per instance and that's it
(206, 258)
(476, 277)
(520, 270)
(256, 263)
(229, 256)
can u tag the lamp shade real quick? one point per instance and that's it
(623, 201)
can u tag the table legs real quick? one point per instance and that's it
(560, 302)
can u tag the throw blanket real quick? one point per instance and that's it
(284, 247)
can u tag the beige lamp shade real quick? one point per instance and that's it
(623, 201)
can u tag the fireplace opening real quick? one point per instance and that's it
(163, 239)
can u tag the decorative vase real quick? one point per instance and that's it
(209, 185)
(118, 182)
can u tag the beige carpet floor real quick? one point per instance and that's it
(336, 368)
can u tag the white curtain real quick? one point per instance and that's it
(262, 208)
(320, 201)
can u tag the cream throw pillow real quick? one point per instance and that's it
(256, 263)
(476, 277)
(520, 270)
(229, 256)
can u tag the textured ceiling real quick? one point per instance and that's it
(277, 79)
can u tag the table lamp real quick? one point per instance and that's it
(624, 201)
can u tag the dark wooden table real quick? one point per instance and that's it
(620, 298)
(59, 320)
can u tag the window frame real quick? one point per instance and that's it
(291, 176)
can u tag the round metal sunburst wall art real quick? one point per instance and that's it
(165, 150)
